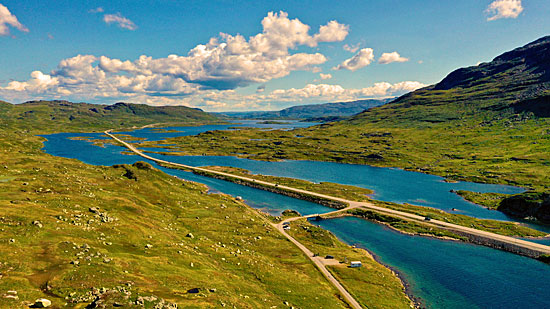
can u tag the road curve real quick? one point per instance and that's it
(365, 205)
(319, 262)
(543, 249)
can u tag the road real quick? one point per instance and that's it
(319, 262)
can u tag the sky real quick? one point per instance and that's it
(249, 55)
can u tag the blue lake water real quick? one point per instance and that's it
(448, 274)
(444, 274)
(151, 134)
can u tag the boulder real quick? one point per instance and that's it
(42, 303)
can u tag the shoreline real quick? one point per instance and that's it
(417, 301)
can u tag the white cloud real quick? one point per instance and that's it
(331, 32)
(222, 64)
(363, 58)
(391, 57)
(504, 9)
(325, 76)
(311, 93)
(120, 21)
(8, 19)
(96, 10)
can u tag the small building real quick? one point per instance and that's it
(355, 264)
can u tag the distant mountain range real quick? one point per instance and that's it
(323, 111)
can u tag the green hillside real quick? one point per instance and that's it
(73, 116)
(86, 236)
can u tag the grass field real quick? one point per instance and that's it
(78, 234)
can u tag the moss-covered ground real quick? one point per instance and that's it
(132, 235)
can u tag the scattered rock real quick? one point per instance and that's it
(37, 223)
(212, 290)
(75, 262)
(12, 240)
(148, 246)
(42, 303)
(190, 235)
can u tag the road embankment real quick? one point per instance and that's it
(493, 240)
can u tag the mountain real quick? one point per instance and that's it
(514, 82)
(325, 110)
(74, 115)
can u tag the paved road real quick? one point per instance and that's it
(352, 204)
(365, 205)
(319, 261)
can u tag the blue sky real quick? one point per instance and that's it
(73, 50)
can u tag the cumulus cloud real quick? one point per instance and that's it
(8, 19)
(325, 76)
(391, 57)
(360, 60)
(504, 9)
(315, 93)
(220, 65)
(120, 21)
(331, 32)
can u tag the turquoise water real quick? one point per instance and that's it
(448, 274)
(444, 274)
(389, 184)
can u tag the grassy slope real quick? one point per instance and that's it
(233, 251)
